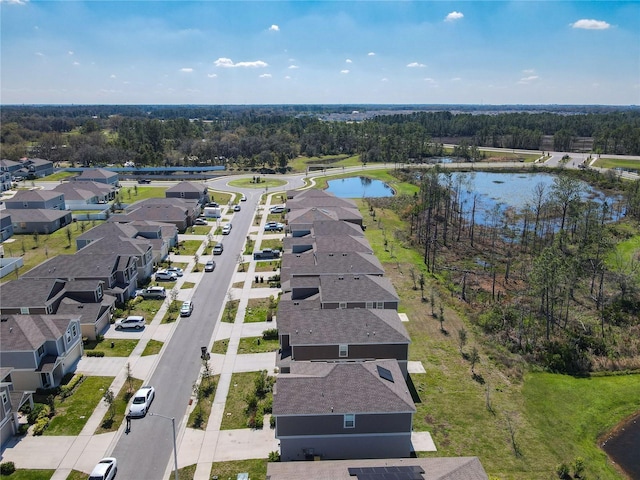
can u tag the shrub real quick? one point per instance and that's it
(77, 379)
(40, 426)
(39, 410)
(274, 456)
(562, 471)
(267, 406)
(7, 468)
(272, 424)
(95, 354)
(270, 334)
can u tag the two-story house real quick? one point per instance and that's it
(11, 401)
(310, 264)
(99, 175)
(37, 220)
(189, 191)
(36, 167)
(6, 225)
(36, 199)
(41, 349)
(338, 410)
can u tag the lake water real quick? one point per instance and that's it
(359, 187)
(624, 445)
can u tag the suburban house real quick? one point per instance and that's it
(339, 410)
(318, 198)
(138, 248)
(311, 264)
(340, 335)
(10, 403)
(179, 212)
(103, 192)
(434, 468)
(161, 236)
(99, 175)
(35, 167)
(84, 299)
(41, 349)
(41, 199)
(189, 191)
(5, 181)
(10, 166)
(6, 225)
(321, 222)
(38, 220)
(326, 244)
(118, 272)
(343, 291)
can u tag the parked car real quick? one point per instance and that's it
(210, 266)
(132, 321)
(277, 209)
(153, 292)
(144, 180)
(166, 275)
(105, 469)
(266, 253)
(218, 249)
(226, 229)
(142, 401)
(236, 208)
(200, 221)
(178, 271)
(186, 309)
(273, 227)
(243, 198)
(213, 204)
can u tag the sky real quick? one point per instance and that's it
(319, 52)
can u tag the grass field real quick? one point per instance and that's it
(73, 412)
(28, 474)
(153, 347)
(257, 469)
(121, 347)
(265, 182)
(120, 404)
(618, 163)
(257, 345)
(242, 386)
(257, 309)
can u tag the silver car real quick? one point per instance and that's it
(142, 401)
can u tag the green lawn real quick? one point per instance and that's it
(230, 311)
(121, 347)
(173, 312)
(75, 475)
(141, 193)
(27, 474)
(265, 182)
(257, 345)
(257, 309)
(199, 229)
(257, 469)
(242, 385)
(139, 306)
(189, 247)
(222, 198)
(199, 417)
(120, 404)
(186, 285)
(300, 164)
(271, 266)
(220, 346)
(618, 163)
(73, 412)
(153, 347)
(185, 473)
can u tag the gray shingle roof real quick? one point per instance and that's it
(319, 388)
(336, 228)
(76, 266)
(38, 215)
(30, 292)
(438, 468)
(96, 173)
(187, 187)
(35, 196)
(27, 332)
(332, 327)
(356, 288)
(310, 263)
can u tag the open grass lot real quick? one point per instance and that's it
(153, 347)
(35, 250)
(222, 198)
(242, 385)
(139, 306)
(626, 254)
(265, 182)
(76, 475)
(230, 311)
(121, 347)
(199, 416)
(27, 474)
(173, 312)
(257, 345)
(136, 193)
(220, 346)
(257, 309)
(618, 163)
(189, 247)
(58, 176)
(274, 243)
(300, 164)
(73, 412)
(120, 404)
(256, 468)
(553, 418)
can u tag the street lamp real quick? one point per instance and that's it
(175, 449)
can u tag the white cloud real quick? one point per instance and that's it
(456, 79)
(228, 63)
(348, 60)
(344, 71)
(15, 2)
(590, 24)
(371, 54)
(431, 81)
(76, 64)
(70, 52)
(293, 67)
(529, 71)
(212, 75)
(529, 79)
(274, 28)
(112, 75)
(287, 77)
(186, 70)
(416, 65)
(40, 54)
(453, 16)
(384, 79)
(265, 75)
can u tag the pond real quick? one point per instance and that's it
(359, 187)
(623, 446)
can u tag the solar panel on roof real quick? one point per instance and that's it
(385, 373)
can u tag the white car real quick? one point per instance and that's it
(243, 198)
(166, 275)
(226, 229)
(186, 309)
(105, 469)
(142, 401)
(178, 271)
(132, 321)
(277, 209)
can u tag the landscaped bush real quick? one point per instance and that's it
(66, 390)
(7, 468)
(91, 353)
(40, 426)
(270, 334)
(39, 410)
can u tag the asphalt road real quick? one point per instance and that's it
(146, 451)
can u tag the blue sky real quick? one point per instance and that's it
(271, 52)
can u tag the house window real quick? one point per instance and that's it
(349, 420)
(380, 305)
(342, 305)
(44, 378)
(25, 204)
(5, 401)
(343, 351)
(74, 330)
(24, 310)
(68, 337)
(181, 194)
(41, 351)
(369, 305)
